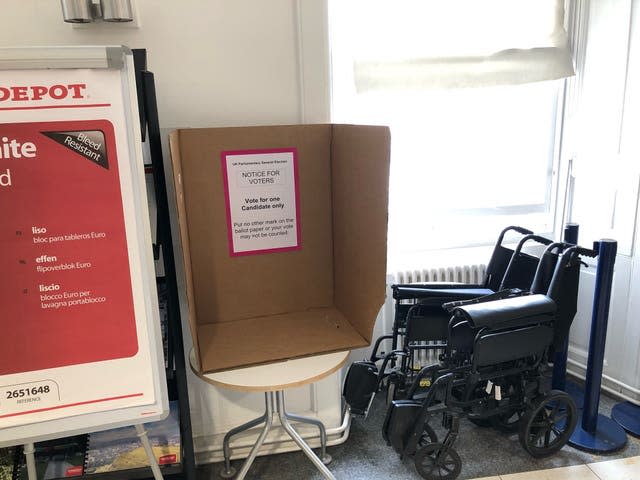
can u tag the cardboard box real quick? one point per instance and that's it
(324, 296)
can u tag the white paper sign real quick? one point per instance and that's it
(261, 190)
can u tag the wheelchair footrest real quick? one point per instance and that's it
(399, 423)
(360, 385)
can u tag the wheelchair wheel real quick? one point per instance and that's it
(428, 436)
(433, 463)
(547, 426)
(508, 422)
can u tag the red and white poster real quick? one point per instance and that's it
(73, 298)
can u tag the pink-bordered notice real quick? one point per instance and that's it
(262, 199)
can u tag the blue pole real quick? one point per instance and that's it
(559, 378)
(599, 433)
(571, 233)
(600, 319)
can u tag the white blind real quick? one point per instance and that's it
(418, 44)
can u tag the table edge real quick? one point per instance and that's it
(271, 388)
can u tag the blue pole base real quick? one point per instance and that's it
(576, 391)
(628, 417)
(608, 437)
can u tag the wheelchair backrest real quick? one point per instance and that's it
(500, 258)
(563, 289)
(497, 267)
(522, 266)
(546, 268)
(426, 323)
(521, 326)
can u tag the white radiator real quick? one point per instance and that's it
(460, 274)
(470, 274)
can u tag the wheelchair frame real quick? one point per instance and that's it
(428, 331)
(511, 344)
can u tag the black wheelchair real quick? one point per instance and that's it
(519, 266)
(420, 321)
(492, 371)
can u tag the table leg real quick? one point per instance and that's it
(296, 438)
(324, 456)
(267, 418)
(268, 400)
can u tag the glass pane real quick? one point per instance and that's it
(456, 154)
(465, 163)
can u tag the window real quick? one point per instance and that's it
(465, 162)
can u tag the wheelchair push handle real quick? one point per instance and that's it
(518, 257)
(573, 252)
(522, 230)
(533, 236)
(515, 228)
(588, 252)
(570, 255)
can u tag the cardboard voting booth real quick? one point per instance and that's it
(283, 231)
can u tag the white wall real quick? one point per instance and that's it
(216, 63)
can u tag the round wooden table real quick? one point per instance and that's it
(273, 379)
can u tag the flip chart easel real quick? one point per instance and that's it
(82, 349)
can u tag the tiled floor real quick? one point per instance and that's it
(485, 453)
(621, 469)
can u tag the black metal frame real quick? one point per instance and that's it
(516, 279)
(503, 261)
(176, 374)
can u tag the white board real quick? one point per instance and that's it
(81, 348)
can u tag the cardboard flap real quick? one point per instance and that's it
(174, 147)
(278, 337)
(360, 181)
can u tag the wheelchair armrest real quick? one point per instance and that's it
(406, 291)
(374, 352)
(438, 296)
(515, 311)
(507, 293)
(386, 360)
